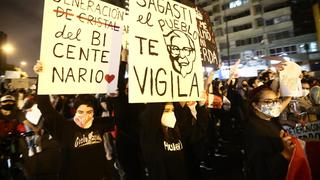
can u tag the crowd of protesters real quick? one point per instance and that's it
(102, 136)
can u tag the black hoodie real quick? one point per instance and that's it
(169, 153)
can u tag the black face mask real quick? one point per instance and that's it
(8, 107)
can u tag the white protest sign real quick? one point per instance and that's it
(12, 74)
(164, 52)
(290, 83)
(80, 47)
(33, 114)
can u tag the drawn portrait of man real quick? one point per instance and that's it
(181, 50)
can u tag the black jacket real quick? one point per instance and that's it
(263, 150)
(163, 164)
(83, 151)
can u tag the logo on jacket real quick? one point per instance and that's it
(87, 139)
(173, 146)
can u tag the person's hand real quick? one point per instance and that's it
(36, 130)
(288, 122)
(113, 94)
(124, 54)
(37, 68)
(280, 66)
(209, 80)
(288, 145)
(204, 98)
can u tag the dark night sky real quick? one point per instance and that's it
(21, 20)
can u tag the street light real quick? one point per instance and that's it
(23, 63)
(7, 48)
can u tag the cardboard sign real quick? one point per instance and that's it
(164, 52)
(12, 74)
(209, 50)
(19, 83)
(80, 47)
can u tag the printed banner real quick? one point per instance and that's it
(164, 52)
(311, 131)
(80, 47)
(209, 50)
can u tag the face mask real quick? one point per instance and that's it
(83, 121)
(168, 119)
(305, 92)
(272, 110)
(8, 107)
(260, 84)
(192, 107)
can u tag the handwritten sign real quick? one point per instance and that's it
(290, 82)
(209, 50)
(311, 131)
(80, 47)
(164, 59)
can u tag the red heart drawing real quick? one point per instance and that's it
(109, 78)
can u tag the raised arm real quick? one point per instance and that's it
(54, 122)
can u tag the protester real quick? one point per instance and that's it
(81, 139)
(10, 116)
(128, 127)
(267, 76)
(315, 99)
(216, 112)
(169, 133)
(268, 148)
(254, 82)
(244, 90)
(34, 142)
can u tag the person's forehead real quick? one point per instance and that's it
(305, 85)
(268, 95)
(84, 107)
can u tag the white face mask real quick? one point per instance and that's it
(305, 92)
(192, 107)
(82, 120)
(272, 110)
(168, 119)
(260, 84)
